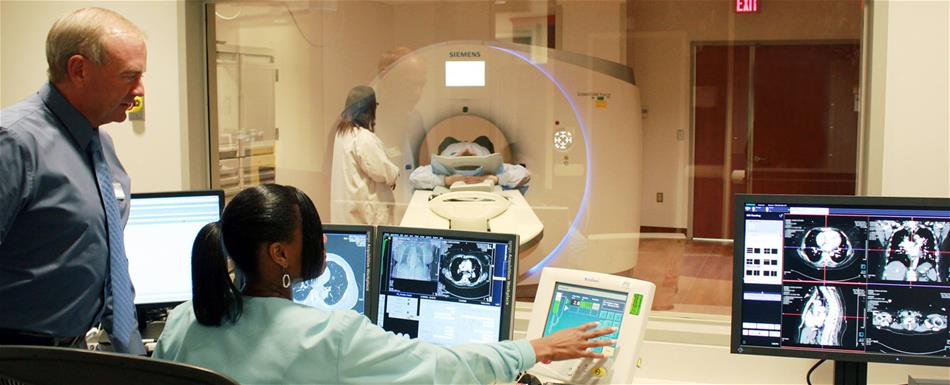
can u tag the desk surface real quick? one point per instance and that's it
(518, 219)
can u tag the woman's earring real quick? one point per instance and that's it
(285, 280)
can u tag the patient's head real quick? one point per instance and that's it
(481, 146)
(269, 231)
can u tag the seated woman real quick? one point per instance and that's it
(509, 176)
(260, 336)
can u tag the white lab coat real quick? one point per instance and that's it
(361, 180)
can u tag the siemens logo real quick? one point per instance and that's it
(465, 54)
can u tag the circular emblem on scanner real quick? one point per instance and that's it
(563, 140)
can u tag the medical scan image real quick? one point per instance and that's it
(910, 250)
(336, 288)
(825, 247)
(413, 260)
(823, 318)
(466, 271)
(908, 320)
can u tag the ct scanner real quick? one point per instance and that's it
(572, 120)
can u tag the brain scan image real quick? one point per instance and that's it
(822, 318)
(466, 272)
(911, 250)
(413, 260)
(826, 248)
(909, 322)
(336, 288)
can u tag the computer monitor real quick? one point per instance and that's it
(853, 279)
(346, 281)
(158, 240)
(446, 286)
(569, 298)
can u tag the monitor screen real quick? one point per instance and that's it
(446, 287)
(343, 284)
(158, 240)
(574, 305)
(846, 278)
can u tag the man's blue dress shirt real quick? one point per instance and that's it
(54, 253)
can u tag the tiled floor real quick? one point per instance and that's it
(690, 275)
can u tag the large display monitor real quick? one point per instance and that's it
(853, 279)
(347, 278)
(158, 240)
(569, 298)
(445, 286)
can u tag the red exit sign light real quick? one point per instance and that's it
(747, 6)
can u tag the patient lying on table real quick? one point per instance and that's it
(469, 163)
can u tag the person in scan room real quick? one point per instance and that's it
(363, 177)
(258, 335)
(509, 176)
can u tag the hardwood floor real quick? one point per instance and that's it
(690, 275)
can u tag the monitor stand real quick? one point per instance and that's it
(851, 373)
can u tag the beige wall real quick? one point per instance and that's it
(420, 23)
(151, 150)
(662, 72)
(594, 28)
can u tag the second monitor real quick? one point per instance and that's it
(446, 287)
(347, 279)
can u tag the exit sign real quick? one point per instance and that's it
(747, 6)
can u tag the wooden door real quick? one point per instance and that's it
(775, 119)
(804, 137)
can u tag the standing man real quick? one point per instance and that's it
(63, 192)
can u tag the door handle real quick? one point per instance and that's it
(737, 176)
(756, 158)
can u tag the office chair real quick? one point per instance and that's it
(34, 365)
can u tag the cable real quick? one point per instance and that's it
(808, 376)
(294, 18)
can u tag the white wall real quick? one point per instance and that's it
(151, 150)
(912, 85)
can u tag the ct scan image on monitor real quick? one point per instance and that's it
(345, 280)
(159, 236)
(853, 279)
(569, 298)
(446, 287)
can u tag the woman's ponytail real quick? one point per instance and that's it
(214, 296)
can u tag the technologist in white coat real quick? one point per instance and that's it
(363, 177)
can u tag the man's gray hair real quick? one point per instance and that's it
(81, 33)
